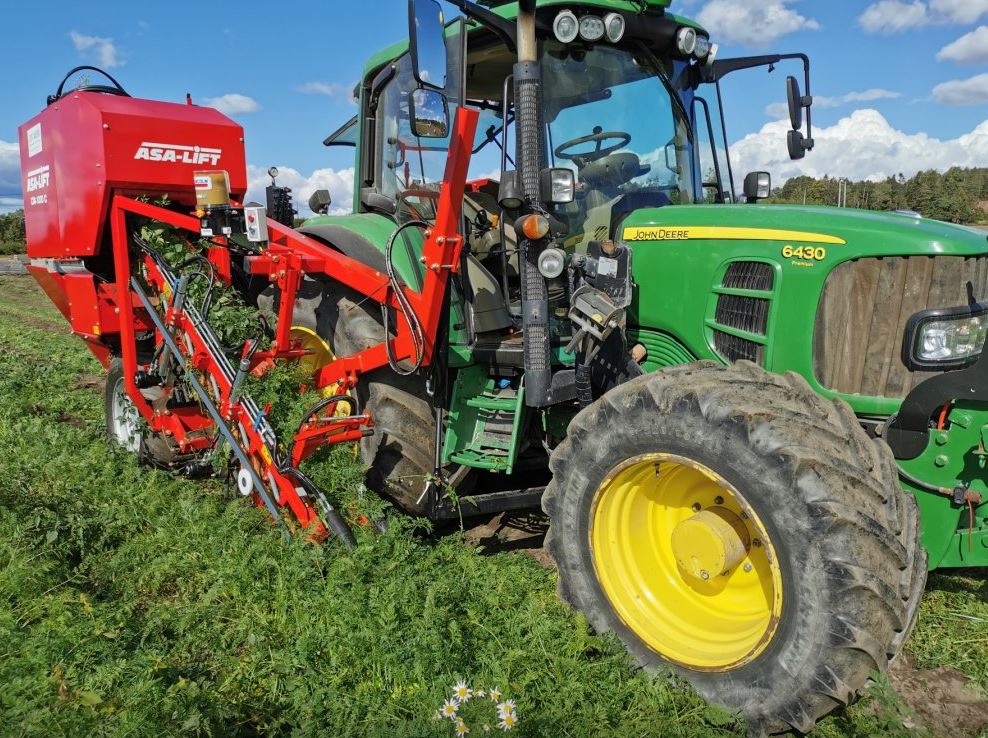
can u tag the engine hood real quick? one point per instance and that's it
(858, 232)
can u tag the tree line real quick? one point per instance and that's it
(953, 196)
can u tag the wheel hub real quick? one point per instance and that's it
(710, 543)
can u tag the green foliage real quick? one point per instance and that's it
(12, 237)
(132, 603)
(953, 196)
(230, 317)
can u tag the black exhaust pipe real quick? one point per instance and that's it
(530, 159)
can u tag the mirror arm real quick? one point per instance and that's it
(503, 29)
(723, 67)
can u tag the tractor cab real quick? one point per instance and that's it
(630, 120)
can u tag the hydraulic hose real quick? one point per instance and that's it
(407, 311)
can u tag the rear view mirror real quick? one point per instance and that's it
(319, 202)
(795, 100)
(757, 186)
(427, 42)
(429, 113)
(797, 145)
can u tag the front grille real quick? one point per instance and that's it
(734, 348)
(750, 275)
(861, 319)
(744, 313)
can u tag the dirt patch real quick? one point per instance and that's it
(512, 531)
(943, 698)
(88, 381)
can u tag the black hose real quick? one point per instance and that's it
(923, 485)
(407, 311)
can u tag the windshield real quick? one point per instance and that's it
(612, 117)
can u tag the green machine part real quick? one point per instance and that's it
(954, 534)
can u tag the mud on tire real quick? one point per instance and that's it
(845, 533)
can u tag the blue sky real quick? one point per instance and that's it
(886, 103)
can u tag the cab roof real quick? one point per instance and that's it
(509, 9)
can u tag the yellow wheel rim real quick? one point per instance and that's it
(686, 562)
(321, 355)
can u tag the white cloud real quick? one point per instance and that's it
(876, 93)
(972, 91)
(10, 204)
(895, 16)
(338, 182)
(752, 22)
(99, 49)
(329, 89)
(971, 48)
(233, 103)
(10, 169)
(862, 146)
(958, 11)
(781, 110)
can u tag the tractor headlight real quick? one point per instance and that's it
(566, 27)
(702, 47)
(945, 339)
(552, 261)
(686, 40)
(591, 28)
(614, 27)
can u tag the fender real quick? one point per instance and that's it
(364, 237)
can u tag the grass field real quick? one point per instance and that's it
(133, 603)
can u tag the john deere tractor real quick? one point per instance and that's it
(732, 409)
(735, 416)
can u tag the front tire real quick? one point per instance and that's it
(123, 421)
(735, 526)
(124, 425)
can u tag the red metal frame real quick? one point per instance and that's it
(287, 258)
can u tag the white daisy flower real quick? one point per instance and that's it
(449, 709)
(478, 693)
(495, 694)
(461, 692)
(508, 721)
(461, 728)
(506, 708)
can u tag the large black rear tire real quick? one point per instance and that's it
(845, 535)
(400, 454)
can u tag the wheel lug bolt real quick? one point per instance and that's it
(747, 567)
(757, 543)
(697, 507)
(719, 500)
(704, 575)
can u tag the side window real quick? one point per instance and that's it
(714, 166)
(410, 169)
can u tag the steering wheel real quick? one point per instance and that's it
(599, 136)
(117, 88)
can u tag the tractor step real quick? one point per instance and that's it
(483, 421)
(492, 502)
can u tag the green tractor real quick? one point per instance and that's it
(728, 411)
